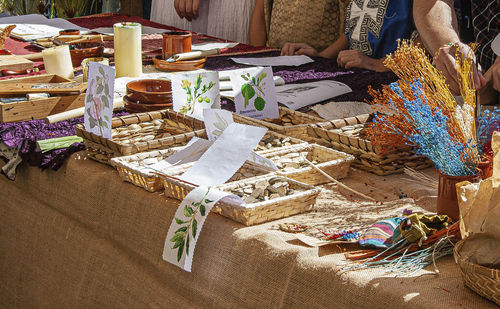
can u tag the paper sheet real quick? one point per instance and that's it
(209, 46)
(227, 89)
(256, 94)
(275, 61)
(187, 224)
(340, 110)
(192, 152)
(216, 121)
(295, 96)
(194, 92)
(228, 153)
(36, 26)
(99, 99)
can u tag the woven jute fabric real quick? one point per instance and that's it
(80, 237)
(318, 23)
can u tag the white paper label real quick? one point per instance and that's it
(99, 99)
(193, 92)
(227, 154)
(255, 93)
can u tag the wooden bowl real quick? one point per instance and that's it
(69, 32)
(85, 50)
(150, 91)
(189, 65)
(136, 107)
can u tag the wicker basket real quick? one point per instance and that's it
(135, 168)
(178, 189)
(368, 157)
(332, 162)
(255, 213)
(103, 149)
(484, 281)
(299, 130)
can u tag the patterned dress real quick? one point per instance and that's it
(374, 26)
(486, 24)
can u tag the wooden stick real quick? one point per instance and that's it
(32, 57)
(193, 55)
(77, 112)
(338, 182)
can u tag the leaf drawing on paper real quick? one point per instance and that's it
(98, 95)
(221, 124)
(195, 95)
(248, 90)
(189, 225)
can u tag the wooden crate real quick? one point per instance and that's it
(40, 108)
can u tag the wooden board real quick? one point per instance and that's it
(52, 88)
(41, 78)
(38, 109)
(15, 63)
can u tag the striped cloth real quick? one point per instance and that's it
(379, 235)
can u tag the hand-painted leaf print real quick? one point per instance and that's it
(194, 227)
(248, 92)
(259, 103)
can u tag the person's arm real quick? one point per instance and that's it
(257, 32)
(304, 49)
(353, 58)
(436, 23)
(187, 9)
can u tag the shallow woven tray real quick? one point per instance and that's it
(368, 157)
(269, 210)
(299, 131)
(178, 189)
(133, 169)
(333, 162)
(482, 280)
(103, 149)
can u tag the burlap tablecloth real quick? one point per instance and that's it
(80, 237)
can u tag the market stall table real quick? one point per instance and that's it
(80, 237)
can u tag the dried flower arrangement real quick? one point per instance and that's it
(419, 110)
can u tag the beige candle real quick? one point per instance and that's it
(128, 57)
(57, 60)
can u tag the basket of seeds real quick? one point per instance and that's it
(142, 132)
(138, 168)
(349, 135)
(292, 163)
(267, 198)
(290, 123)
(178, 188)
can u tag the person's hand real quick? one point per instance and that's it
(493, 75)
(445, 62)
(290, 49)
(353, 58)
(187, 9)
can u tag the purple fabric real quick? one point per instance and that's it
(321, 68)
(23, 136)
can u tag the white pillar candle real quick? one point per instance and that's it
(57, 60)
(128, 56)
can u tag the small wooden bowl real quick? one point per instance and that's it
(69, 32)
(189, 65)
(85, 50)
(150, 91)
(135, 107)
